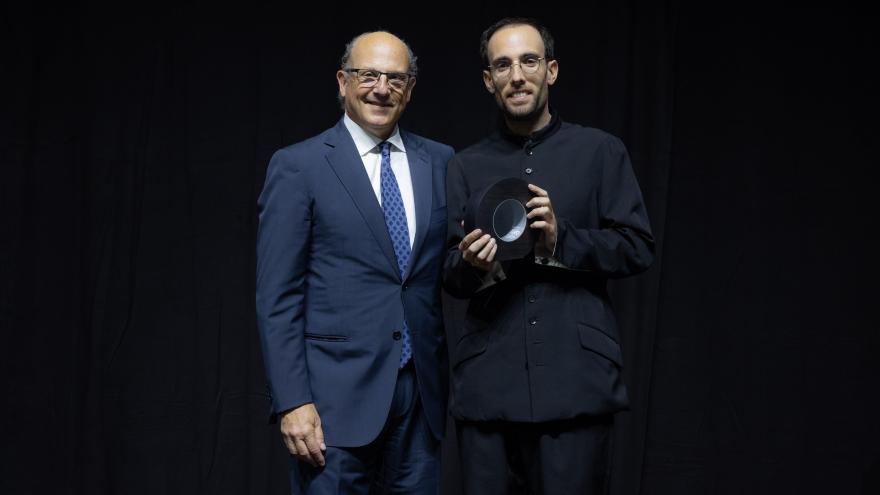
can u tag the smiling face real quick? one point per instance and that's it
(378, 108)
(520, 95)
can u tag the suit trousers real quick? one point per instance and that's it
(403, 459)
(566, 457)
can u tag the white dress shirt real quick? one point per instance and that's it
(371, 154)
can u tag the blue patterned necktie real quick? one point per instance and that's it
(395, 220)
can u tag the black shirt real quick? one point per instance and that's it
(542, 343)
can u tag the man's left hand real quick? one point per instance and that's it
(541, 210)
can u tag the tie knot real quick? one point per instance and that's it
(385, 147)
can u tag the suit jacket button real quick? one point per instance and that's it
(396, 335)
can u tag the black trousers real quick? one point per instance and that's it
(567, 457)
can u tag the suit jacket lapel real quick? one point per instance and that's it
(420, 173)
(346, 163)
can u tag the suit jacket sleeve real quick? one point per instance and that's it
(623, 244)
(283, 241)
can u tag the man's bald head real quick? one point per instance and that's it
(379, 40)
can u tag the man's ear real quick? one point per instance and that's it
(487, 80)
(342, 79)
(409, 88)
(552, 71)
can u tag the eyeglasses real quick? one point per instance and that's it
(367, 78)
(503, 68)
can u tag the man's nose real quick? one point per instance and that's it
(516, 72)
(382, 87)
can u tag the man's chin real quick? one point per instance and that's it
(381, 123)
(379, 126)
(521, 113)
(381, 115)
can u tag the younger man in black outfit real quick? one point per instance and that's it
(537, 370)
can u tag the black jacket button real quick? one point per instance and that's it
(396, 335)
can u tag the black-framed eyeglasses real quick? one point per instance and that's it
(529, 64)
(367, 78)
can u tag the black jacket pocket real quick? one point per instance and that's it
(470, 345)
(596, 341)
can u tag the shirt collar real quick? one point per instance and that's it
(366, 142)
(536, 137)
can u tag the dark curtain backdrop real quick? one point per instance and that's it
(134, 144)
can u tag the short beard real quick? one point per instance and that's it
(533, 114)
(530, 115)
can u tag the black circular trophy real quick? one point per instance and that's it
(500, 211)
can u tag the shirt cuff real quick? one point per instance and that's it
(549, 261)
(493, 276)
(544, 258)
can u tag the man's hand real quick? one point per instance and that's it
(542, 212)
(302, 434)
(478, 249)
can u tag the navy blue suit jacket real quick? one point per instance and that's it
(330, 299)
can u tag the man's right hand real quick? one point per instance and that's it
(478, 249)
(302, 434)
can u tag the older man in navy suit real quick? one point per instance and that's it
(349, 256)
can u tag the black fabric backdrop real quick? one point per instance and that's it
(134, 144)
